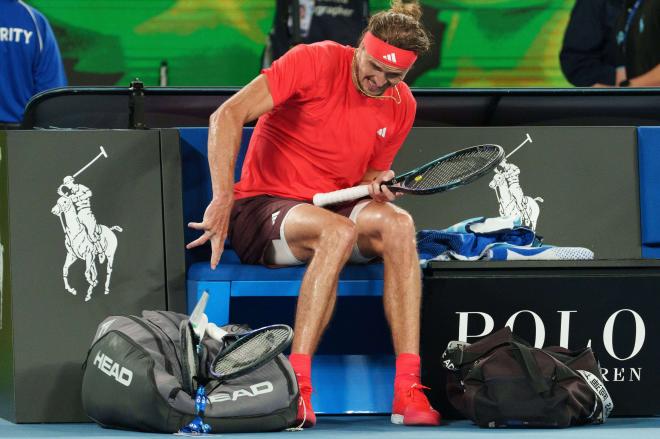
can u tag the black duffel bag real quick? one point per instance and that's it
(502, 381)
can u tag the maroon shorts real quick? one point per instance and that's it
(255, 222)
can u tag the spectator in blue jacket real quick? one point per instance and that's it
(30, 60)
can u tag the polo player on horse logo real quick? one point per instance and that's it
(84, 238)
(512, 201)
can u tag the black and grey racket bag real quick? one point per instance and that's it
(133, 380)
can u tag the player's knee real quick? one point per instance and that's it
(345, 237)
(341, 237)
(399, 233)
(400, 224)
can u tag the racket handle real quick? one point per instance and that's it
(352, 193)
(215, 332)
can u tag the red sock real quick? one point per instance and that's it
(407, 370)
(302, 366)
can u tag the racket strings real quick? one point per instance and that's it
(251, 352)
(455, 169)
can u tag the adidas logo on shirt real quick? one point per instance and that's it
(391, 57)
(274, 216)
(381, 132)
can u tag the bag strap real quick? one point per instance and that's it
(574, 361)
(457, 355)
(460, 353)
(523, 354)
(602, 395)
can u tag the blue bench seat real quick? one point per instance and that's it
(233, 279)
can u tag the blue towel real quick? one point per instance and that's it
(490, 239)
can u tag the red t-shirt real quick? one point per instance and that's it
(322, 134)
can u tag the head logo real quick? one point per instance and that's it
(449, 365)
(113, 369)
(251, 392)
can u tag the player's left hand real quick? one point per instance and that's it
(380, 192)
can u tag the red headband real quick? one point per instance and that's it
(388, 54)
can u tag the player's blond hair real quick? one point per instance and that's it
(400, 26)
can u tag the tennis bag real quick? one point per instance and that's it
(132, 379)
(502, 381)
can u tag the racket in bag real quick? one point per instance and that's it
(502, 381)
(133, 379)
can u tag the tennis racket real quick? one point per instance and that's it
(250, 351)
(442, 174)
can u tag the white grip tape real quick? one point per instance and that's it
(352, 193)
(215, 332)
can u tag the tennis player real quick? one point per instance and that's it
(330, 117)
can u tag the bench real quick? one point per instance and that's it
(232, 279)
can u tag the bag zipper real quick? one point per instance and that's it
(177, 354)
(168, 363)
(289, 381)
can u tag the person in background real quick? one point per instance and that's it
(341, 21)
(30, 60)
(330, 117)
(589, 52)
(638, 41)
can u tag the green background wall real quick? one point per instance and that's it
(482, 43)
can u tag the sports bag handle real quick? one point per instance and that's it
(460, 353)
(523, 354)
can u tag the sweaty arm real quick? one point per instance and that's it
(225, 129)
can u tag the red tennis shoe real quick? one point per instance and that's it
(411, 407)
(305, 417)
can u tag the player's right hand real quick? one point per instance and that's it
(380, 192)
(214, 224)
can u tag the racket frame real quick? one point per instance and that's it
(420, 170)
(243, 339)
(190, 360)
